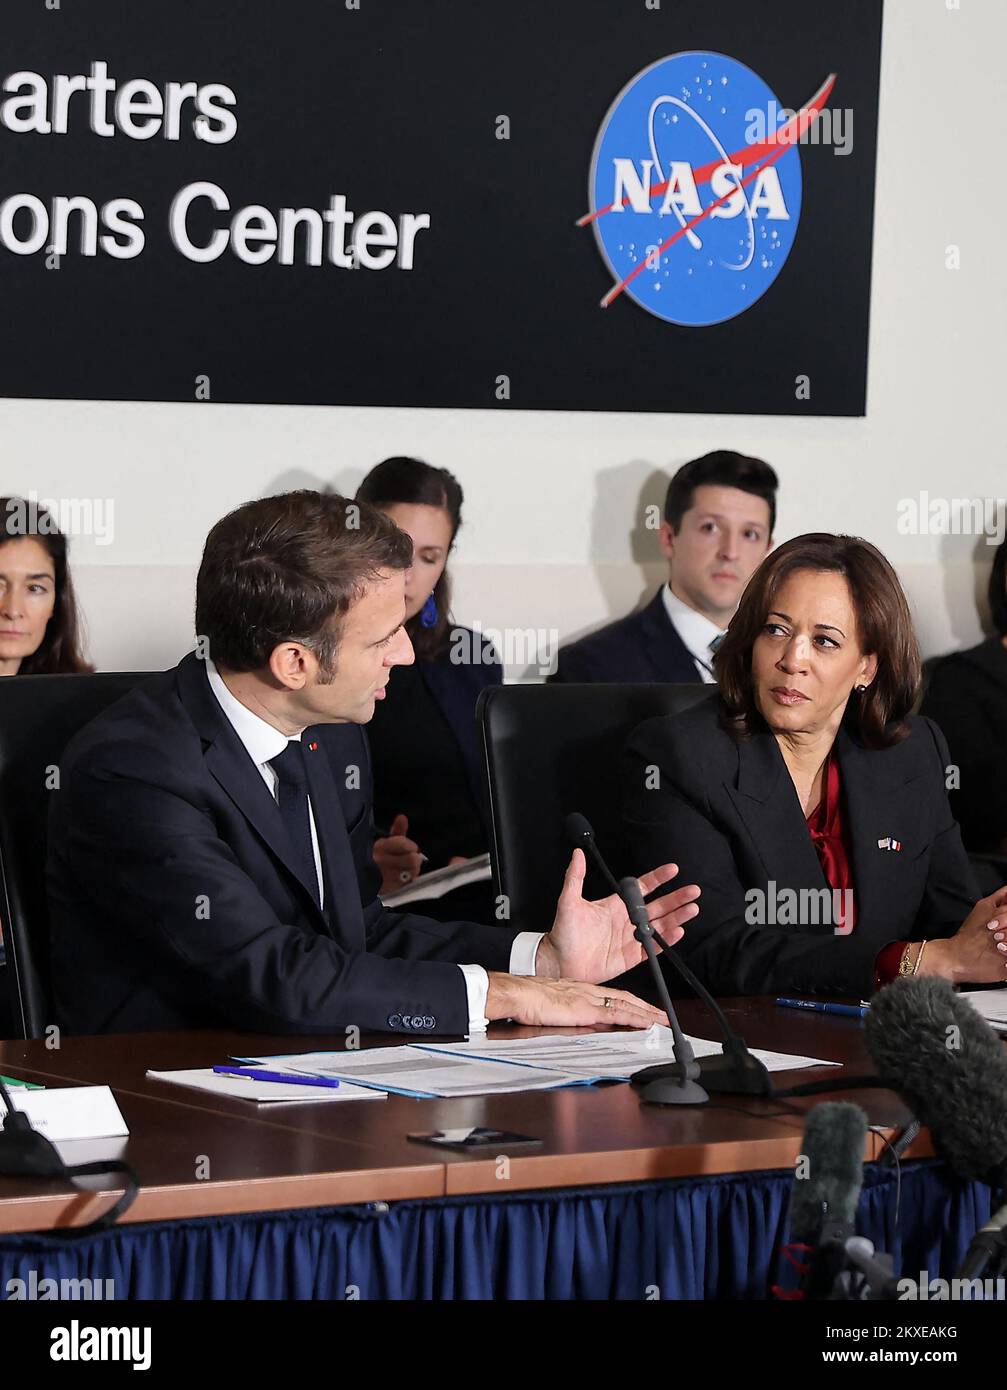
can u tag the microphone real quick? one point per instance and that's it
(674, 1083)
(940, 1054)
(987, 1245)
(934, 1049)
(25, 1153)
(734, 1070)
(827, 1184)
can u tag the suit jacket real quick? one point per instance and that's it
(967, 696)
(641, 648)
(727, 812)
(175, 899)
(426, 753)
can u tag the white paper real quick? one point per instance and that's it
(419, 1071)
(438, 882)
(262, 1092)
(72, 1112)
(480, 1068)
(991, 1003)
(612, 1056)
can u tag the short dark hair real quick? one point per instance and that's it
(410, 480)
(998, 589)
(884, 624)
(289, 568)
(60, 650)
(721, 468)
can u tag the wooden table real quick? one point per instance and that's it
(200, 1155)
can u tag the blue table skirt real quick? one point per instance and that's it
(713, 1237)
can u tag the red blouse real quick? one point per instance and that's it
(828, 834)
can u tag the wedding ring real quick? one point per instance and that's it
(607, 1002)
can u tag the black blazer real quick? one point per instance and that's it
(967, 695)
(426, 754)
(175, 902)
(727, 813)
(641, 648)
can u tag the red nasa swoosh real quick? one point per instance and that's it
(782, 141)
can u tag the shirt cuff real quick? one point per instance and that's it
(523, 951)
(477, 987)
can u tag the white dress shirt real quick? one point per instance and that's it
(696, 631)
(262, 743)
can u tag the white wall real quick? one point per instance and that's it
(553, 532)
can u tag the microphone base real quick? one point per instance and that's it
(731, 1073)
(665, 1085)
(736, 1072)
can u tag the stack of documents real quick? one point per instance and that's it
(481, 1068)
(991, 1003)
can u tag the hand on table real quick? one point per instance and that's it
(977, 953)
(565, 1003)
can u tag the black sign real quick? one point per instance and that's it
(537, 204)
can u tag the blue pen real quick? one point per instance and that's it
(255, 1074)
(843, 1010)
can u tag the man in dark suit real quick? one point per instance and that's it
(209, 867)
(719, 515)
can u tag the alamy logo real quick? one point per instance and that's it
(694, 220)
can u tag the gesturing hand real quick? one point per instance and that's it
(594, 941)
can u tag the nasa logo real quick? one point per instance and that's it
(694, 220)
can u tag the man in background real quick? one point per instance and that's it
(719, 517)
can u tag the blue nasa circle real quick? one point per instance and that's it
(684, 113)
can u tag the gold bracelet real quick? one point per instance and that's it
(919, 957)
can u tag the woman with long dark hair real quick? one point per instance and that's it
(806, 799)
(39, 621)
(426, 763)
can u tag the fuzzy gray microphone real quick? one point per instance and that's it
(828, 1180)
(934, 1049)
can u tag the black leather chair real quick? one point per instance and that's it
(38, 717)
(550, 750)
(990, 871)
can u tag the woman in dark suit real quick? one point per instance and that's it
(423, 737)
(39, 626)
(967, 696)
(806, 801)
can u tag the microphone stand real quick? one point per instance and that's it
(876, 1270)
(734, 1070)
(674, 1083)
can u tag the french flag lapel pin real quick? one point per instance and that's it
(890, 843)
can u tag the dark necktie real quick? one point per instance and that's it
(708, 665)
(293, 802)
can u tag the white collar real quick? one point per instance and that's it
(262, 742)
(695, 629)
